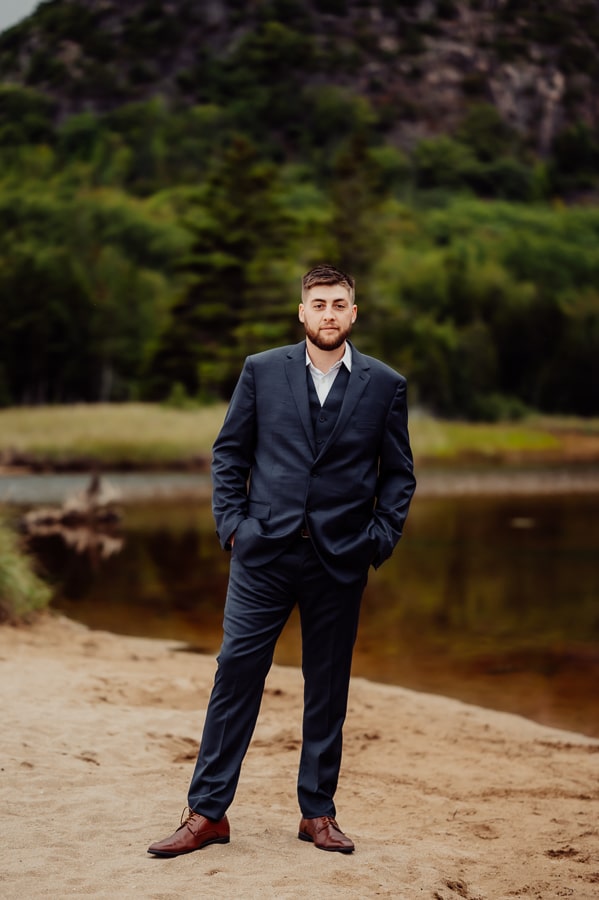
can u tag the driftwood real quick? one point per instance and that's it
(85, 521)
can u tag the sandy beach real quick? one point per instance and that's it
(443, 800)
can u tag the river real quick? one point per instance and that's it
(492, 595)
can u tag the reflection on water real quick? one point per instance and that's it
(494, 600)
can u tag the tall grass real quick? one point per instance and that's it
(435, 439)
(21, 590)
(131, 433)
(145, 434)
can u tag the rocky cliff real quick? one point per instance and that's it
(419, 63)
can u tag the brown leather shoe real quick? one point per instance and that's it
(195, 831)
(325, 834)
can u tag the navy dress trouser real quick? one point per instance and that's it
(258, 604)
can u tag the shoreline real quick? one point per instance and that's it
(22, 488)
(443, 799)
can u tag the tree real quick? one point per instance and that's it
(83, 289)
(442, 162)
(25, 117)
(486, 133)
(237, 274)
(44, 327)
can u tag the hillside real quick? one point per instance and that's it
(419, 63)
(168, 169)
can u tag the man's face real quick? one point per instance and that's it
(327, 314)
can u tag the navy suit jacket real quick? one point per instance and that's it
(269, 479)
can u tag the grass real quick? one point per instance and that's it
(434, 439)
(21, 591)
(132, 433)
(137, 434)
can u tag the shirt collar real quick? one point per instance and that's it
(346, 360)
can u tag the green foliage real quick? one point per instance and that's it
(486, 133)
(21, 590)
(357, 192)
(44, 320)
(237, 275)
(489, 299)
(26, 117)
(331, 116)
(78, 137)
(178, 398)
(576, 157)
(473, 164)
(442, 162)
(393, 167)
(83, 294)
(263, 78)
(493, 407)
(155, 239)
(70, 21)
(505, 178)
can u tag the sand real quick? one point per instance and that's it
(444, 800)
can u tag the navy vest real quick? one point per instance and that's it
(325, 416)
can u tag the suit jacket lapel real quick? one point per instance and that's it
(295, 367)
(358, 380)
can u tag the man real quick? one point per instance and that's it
(312, 480)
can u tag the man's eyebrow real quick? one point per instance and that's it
(335, 300)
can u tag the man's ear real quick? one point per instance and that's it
(300, 312)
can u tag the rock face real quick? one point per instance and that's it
(420, 63)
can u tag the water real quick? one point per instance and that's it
(492, 598)
(52, 488)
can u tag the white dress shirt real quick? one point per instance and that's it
(323, 381)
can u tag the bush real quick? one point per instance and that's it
(25, 116)
(442, 162)
(179, 398)
(576, 157)
(486, 133)
(505, 178)
(497, 408)
(21, 590)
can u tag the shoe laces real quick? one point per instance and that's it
(187, 815)
(330, 820)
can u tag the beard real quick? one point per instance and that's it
(327, 340)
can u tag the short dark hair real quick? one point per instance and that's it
(327, 274)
